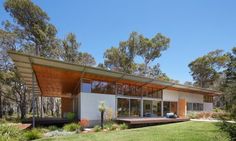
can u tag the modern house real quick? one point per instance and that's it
(82, 88)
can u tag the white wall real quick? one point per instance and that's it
(170, 95)
(89, 104)
(208, 107)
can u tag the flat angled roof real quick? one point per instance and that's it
(58, 78)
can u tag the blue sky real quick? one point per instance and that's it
(194, 26)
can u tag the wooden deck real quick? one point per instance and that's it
(150, 120)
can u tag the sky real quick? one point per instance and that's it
(195, 27)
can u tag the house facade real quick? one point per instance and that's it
(82, 88)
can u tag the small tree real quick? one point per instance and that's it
(102, 109)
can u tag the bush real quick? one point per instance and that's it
(97, 128)
(230, 128)
(33, 134)
(71, 127)
(83, 123)
(192, 115)
(10, 133)
(52, 128)
(70, 116)
(114, 126)
(123, 126)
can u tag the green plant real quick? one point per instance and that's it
(33, 134)
(230, 128)
(71, 127)
(192, 115)
(52, 128)
(10, 132)
(70, 116)
(123, 126)
(97, 128)
(83, 123)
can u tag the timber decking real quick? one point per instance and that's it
(150, 120)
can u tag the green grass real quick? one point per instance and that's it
(185, 131)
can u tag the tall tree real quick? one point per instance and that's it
(207, 69)
(71, 52)
(33, 26)
(150, 49)
(122, 58)
(229, 86)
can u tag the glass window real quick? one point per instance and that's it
(208, 98)
(126, 89)
(86, 86)
(189, 106)
(103, 87)
(119, 89)
(122, 107)
(135, 107)
(166, 107)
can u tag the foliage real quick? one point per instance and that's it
(122, 58)
(10, 132)
(33, 134)
(71, 53)
(97, 128)
(229, 86)
(71, 127)
(83, 123)
(206, 69)
(70, 116)
(52, 128)
(109, 114)
(123, 126)
(230, 128)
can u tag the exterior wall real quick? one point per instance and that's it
(208, 106)
(170, 95)
(89, 105)
(66, 106)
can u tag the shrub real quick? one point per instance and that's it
(83, 123)
(230, 128)
(97, 128)
(109, 114)
(123, 126)
(33, 134)
(108, 126)
(70, 116)
(10, 132)
(71, 127)
(52, 128)
(114, 126)
(192, 115)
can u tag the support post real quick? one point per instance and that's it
(41, 108)
(162, 106)
(33, 101)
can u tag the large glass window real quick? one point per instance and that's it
(208, 99)
(86, 86)
(166, 107)
(194, 107)
(135, 107)
(123, 107)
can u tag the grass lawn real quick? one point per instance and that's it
(185, 131)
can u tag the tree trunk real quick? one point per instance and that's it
(0, 105)
(102, 113)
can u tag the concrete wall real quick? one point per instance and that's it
(208, 107)
(89, 103)
(170, 95)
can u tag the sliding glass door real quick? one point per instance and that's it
(128, 107)
(151, 108)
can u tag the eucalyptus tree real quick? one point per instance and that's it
(207, 69)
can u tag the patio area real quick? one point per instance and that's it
(150, 120)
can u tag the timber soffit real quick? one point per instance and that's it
(24, 61)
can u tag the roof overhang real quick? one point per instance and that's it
(58, 78)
